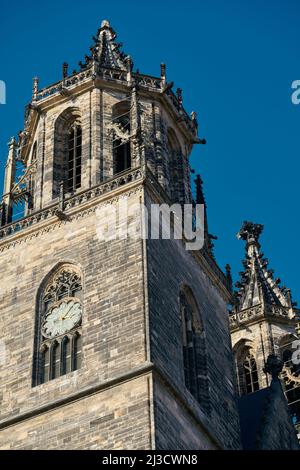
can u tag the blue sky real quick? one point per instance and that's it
(235, 61)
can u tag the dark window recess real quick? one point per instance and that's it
(194, 351)
(74, 159)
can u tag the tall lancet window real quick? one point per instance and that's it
(194, 350)
(74, 158)
(121, 137)
(58, 348)
(67, 163)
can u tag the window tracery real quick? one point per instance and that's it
(59, 348)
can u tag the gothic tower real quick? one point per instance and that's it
(117, 342)
(264, 321)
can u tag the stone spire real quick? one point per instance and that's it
(106, 51)
(257, 284)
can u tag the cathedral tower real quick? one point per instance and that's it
(264, 322)
(119, 343)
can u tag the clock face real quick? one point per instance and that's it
(62, 318)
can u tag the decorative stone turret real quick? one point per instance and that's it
(97, 99)
(259, 293)
(263, 324)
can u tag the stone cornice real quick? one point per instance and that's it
(259, 313)
(76, 206)
(145, 369)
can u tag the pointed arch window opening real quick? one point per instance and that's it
(251, 374)
(194, 353)
(74, 163)
(61, 354)
(18, 210)
(22, 192)
(68, 152)
(77, 352)
(121, 149)
(55, 360)
(246, 372)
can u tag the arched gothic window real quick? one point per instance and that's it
(121, 137)
(246, 370)
(59, 341)
(194, 350)
(250, 372)
(74, 158)
(67, 165)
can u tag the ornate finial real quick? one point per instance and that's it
(228, 275)
(105, 24)
(195, 122)
(12, 141)
(65, 68)
(250, 232)
(129, 63)
(129, 67)
(179, 96)
(163, 72)
(105, 50)
(199, 190)
(35, 88)
(273, 366)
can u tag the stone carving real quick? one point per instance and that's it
(273, 366)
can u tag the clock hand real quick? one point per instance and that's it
(72, 313)
(63, 318)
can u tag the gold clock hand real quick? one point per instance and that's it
(64, 317)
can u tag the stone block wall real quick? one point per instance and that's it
(113, 327)
(170, 267)
(131, 324)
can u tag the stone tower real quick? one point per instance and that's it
(119, 343)
(264, 321)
